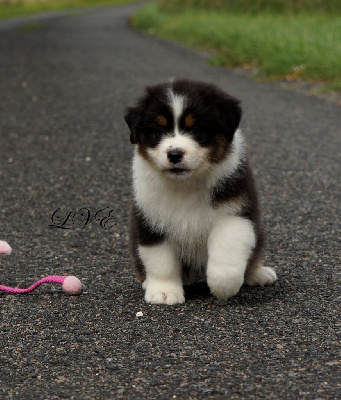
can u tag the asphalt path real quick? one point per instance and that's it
(65, 81)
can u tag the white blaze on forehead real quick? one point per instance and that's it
(177, 102)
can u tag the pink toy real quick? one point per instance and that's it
(5, 248)
(70, 284)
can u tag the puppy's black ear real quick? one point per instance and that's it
(230, 114)
(132, 117)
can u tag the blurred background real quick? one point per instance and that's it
(275, 39)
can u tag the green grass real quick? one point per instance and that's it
(256, 6)
(279, 45)
(14, 8)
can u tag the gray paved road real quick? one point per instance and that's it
(64, 84)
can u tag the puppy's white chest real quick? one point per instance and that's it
(186, 219)
(183, 213)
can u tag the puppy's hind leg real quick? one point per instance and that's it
(260, 276)
(163, 284)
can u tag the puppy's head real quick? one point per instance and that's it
(183, 127)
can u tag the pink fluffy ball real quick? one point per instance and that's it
(72, 285)
(5, 248)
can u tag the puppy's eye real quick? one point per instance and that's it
(195, 130)
(160, 130)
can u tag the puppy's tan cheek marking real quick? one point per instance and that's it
(142, 149)
(142, 152)
(161, 120)
(218, 150)
(189, 120)
(150, 155)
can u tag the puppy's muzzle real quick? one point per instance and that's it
(175, 156)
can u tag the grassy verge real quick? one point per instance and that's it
(13, 8)
(280, 44)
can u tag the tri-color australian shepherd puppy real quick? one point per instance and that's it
(195, 213)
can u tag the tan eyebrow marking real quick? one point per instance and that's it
(189, 120)
(161, 120)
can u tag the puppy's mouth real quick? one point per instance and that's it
(178, 171)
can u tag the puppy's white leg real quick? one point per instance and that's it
(163, 284)
(229, 247)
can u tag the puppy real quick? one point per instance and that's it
(195, 213)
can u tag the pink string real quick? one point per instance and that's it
(47, 279)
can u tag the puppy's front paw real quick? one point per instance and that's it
(170, 298)
(224, 283)
(163, 292)
(261, 276)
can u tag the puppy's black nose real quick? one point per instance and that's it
(175, 156)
